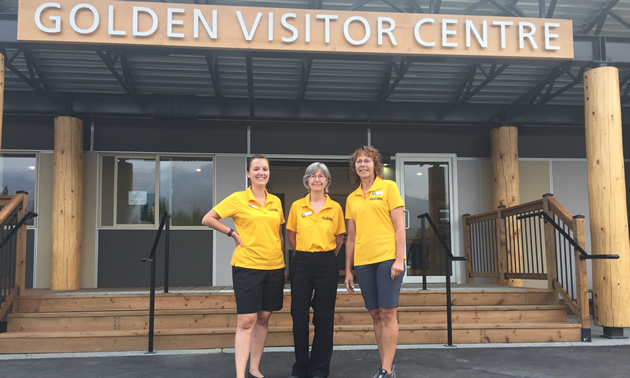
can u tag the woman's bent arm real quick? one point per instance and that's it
(349, 281)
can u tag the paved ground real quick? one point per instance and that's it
(420, 361)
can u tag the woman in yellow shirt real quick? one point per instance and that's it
(257, 262)
(376, 248)
(315, 229)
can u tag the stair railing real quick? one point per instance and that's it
(13, 219)
(164, 224)
(538, 240)
(448, 262)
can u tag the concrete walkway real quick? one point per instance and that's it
(603, 359)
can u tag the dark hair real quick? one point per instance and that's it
(258, 156)
(373, 154)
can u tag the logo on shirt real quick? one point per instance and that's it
(274, 210)
(327, 218)
(376, 199)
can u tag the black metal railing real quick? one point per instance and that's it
(525, 246)
(565, 262)
(448, 260)
(483, 246)
(8, 253)
(164, 225)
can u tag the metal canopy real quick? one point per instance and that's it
(90, 80)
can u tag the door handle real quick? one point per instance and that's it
(406, 212)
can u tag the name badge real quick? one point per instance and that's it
(254, 206)
(377, 193)
(307, 214)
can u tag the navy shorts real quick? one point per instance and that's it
(377, 287)
(257, 290)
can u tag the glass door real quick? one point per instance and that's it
(426, 186)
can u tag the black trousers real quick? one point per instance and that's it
(313, 272)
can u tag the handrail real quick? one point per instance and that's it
(449, 258)
(27, 217)
(10, 208)
(583, 254)
(12, 260)
(152, 260)
(538, 240)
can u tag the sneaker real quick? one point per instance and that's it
(378, 372)
(384, 374)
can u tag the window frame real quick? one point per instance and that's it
(156, 157)
(35, 154)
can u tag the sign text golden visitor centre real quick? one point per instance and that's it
(310, 30)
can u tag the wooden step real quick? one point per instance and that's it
(196, 338)
(126, 302)
(209, 318)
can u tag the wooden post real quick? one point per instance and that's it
(1, 95)
(20, 245)
(504, 154)
(550, 246)
(607, 198)
(501, 249)
(467, 249)
(67, 204)
(581, 275)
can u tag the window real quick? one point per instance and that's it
(185, 189)
(135, 191)
(18, 173)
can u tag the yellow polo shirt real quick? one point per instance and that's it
(258, 226)
(316, 232)
(375, 236)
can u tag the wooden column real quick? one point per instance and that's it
(506, 192)
(607, 197)
(67, 202)
(1, 95)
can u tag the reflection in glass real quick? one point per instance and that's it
(426, 191)
(18, 173)
(135, 191)
(185, 189)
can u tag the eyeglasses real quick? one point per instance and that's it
(317, 177)
(365, 161)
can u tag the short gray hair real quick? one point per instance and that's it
(312, 169)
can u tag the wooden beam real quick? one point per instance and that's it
(607, 197)
(67, 204)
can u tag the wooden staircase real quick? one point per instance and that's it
(119, 322)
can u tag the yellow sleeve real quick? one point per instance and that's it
(393, 196)
(349, 207)
(228, 206)
(281, 212)
(341, 225)
(292, 220)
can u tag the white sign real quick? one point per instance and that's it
(137, 197)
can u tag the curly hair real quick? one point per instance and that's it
(373, 154)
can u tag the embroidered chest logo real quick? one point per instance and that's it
(274, 210)
(376, 199)
(327, 218)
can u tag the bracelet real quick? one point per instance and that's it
(230, 232)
